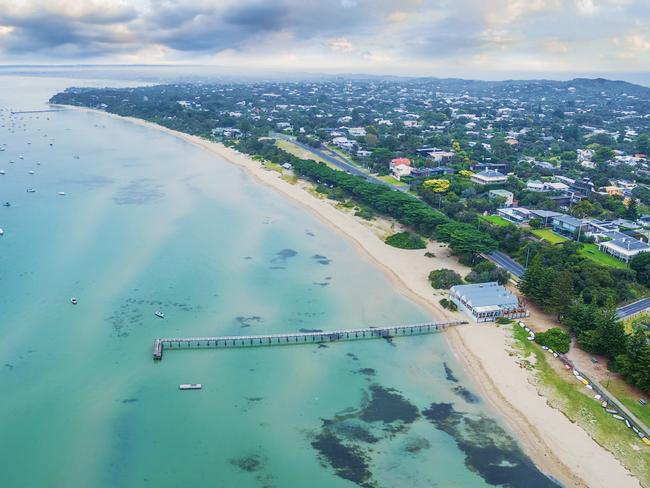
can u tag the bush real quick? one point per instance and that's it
(449, 305)
(443, 279)
(486, 271)
(503, 320)
(555, 339)
(406, 240)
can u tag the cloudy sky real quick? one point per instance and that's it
(469, 38)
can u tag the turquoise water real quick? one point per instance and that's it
(151, 222)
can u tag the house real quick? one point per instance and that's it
(516, 215)
(546, 216)
(437, 171)
(534, 185)
(363, 153)
(567, 225)
(357, 131)
(508, 196)
(624, 248)
(441, 156)
(400, 167)
(489, 177)
(486, 302)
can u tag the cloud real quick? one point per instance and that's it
(316, 34)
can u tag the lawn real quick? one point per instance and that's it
(496, 220)
(592, 252)
(391, 180)
(549, 236)
(622, 392)
(298, 151)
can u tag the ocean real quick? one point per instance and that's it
(150, 222)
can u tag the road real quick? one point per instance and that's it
(632, 308)
(506, 262)
(343, 164)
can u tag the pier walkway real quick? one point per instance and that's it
(297, 337)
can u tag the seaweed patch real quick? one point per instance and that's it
(248, 321)
(449, 373)
(465, 394)
(387, 405)
(489, 451)
(348, 462)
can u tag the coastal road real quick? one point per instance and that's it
(632, 308)
(506, 262)
(341, 163)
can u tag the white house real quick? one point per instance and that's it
(624, 248)
(486, 302)
(489, 177)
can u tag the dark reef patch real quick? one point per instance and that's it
(283, 255)
(387, 405)
(489, 451)
(348, 462)
(250, 463)
(465, 394)
(354, 431)
(416, 444)
(368, 371)
(139, 192)
(449, 373)
(248, 321)
(129, 400)
(352, 356)
(320, 259)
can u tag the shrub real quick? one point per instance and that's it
(449, 305)
(486, 271)
(406, 240)
(555, 339)
(444, 279)
(503, 320)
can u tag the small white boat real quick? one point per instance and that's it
(62, 193)
(30, 172)
(618, 417)
(31, 190)
(604, 404)
(74, 300)
(611, 410)
(2, 232)
(190, 386)
(21, 157)
(159, 314)
(2, 171)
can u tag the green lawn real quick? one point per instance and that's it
(592, 252)
(391, 180)
(622, 392)
(549, 236)
(496, 220)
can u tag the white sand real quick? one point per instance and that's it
(560, 447)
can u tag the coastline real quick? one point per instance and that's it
(558, 446)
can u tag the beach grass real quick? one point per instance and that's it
(549, 236)
(576, 402)
(591, 251)
(496, 220)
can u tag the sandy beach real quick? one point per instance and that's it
(558, 446)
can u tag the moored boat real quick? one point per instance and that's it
(159, 314)
(190, 386)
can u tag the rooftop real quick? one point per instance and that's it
(485, 295)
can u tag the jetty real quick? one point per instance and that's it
(37, 111)
(294, 338)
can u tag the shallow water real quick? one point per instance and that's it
(150, 222)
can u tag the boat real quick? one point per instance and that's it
(62, 193)
(610, 410)
(30, 172)
(159, 314)
(627, 422)
(190, 386)
(2, 232)
(2, 171)
(73, 300)
(31, 190)
(618, 417)
(604, 404)
(6, 204)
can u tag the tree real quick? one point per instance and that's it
(555, 339)
(465, 239)
(437, 186)
(643, 144)
(584, 208)
(641, 264)
(444, 278)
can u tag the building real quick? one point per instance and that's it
(442, 156)
(437, 171)
(567, 225)
(517, 215)
(508, 196)
(400, 167)
(545, 216)
(624, 248)
(535, 185)
(489, 177)
(486, 302)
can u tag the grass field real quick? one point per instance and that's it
(391, 180)
(549, 236)
(621, 391)
(576, 402)
(496, 220)
(592, 252)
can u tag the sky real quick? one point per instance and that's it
(465, 38)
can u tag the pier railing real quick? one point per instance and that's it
(294, 338)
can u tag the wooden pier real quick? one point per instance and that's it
(161, 344)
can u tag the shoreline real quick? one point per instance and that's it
(555, 444)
